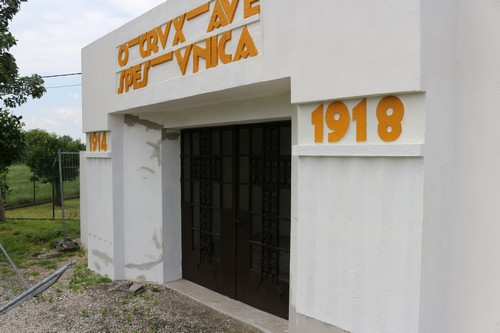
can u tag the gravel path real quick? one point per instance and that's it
(101, 308)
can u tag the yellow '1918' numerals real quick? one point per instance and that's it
(97, 141)
(390, 112)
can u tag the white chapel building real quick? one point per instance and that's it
(335, 163)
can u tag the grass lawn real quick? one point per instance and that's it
(44, 211)
(25, 240)
(30, 246)
(21, 187)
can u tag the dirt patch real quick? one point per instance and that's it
(101, 308)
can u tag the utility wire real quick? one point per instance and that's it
(66, 86)
(59, 75)
(62, 75)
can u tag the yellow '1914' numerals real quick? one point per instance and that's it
(97, 141)
(390, 112)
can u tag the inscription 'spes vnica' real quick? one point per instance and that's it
(171, 34)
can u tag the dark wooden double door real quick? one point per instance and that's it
(236, 212)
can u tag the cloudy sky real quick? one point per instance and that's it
(51, 34)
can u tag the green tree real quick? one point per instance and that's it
(41, 152)
(11, 144)
(14, 91)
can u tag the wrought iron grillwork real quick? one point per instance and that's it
(201, 170)
(271, 171)
(236, 211)
(205, 200)
(210, 157)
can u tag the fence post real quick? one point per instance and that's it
(62, 193)
(53, 200)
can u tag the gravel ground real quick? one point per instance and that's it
(101, 308)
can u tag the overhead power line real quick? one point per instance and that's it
(59, 75)
(66, 86)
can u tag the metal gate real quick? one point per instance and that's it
(68, 168)
(236, 212)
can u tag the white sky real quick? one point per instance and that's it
(51, 34)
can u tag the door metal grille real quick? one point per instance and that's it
(236, 211)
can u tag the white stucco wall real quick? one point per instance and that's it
(99, 215)
(355, 48)
(439, 23)
(83, 201)
(142, 199)
(359, 242)
(171, 191)
(266, 108)
(460, 249)
(359, 220)
(474, 292)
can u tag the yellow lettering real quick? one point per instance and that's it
(390, 123)
(214, 51)
(104, 144)
(337, 119)
(143, 50)
(178, 25)
(97, 141)
(230, 9)
(218, 18)
(161, 59)
(359, 116)
(129, 78)
(163, 34)
(152, 41)
(223, 14)
(317, 121)
(200, 52)
(122, 80)
(135, 77)
(183, 60)
(223, 56)
(123, 54)
(91, 142)
(148, 43)
(144, 82)
(246, 46)
(134, 42)
(198, 11)
(250, 9)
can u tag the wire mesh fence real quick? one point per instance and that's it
(19, 284)
(25, 191)
(30, 198)
(68, 170)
